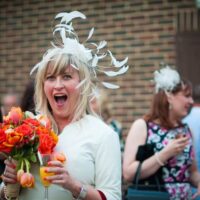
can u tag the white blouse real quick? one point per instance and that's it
(93, 157)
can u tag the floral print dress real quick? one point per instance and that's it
(176, 172)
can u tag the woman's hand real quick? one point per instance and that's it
(175, 146)
(10, 172)
(61, 176)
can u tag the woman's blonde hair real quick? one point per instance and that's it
(58, 62)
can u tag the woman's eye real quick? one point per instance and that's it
(50, 78)
(67, 76)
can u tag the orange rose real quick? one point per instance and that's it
(46, 143)
(3, 148)
(26, 130)
(54, 136)
(12, 138)
(31, 122)
(42, 130)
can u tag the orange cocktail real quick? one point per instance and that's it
(44, 174)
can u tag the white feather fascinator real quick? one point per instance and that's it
(88, 53)
(166, 79)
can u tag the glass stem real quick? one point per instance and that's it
(46, 194)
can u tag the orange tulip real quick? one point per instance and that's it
(15, 115)
(27, 180)
(19, 174)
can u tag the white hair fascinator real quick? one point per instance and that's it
(89, 56)
(166, 79)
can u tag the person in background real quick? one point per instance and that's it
(193, 121)
(101, 105)
(63, 90)
(27, 100)
(171, 139)
(9, 100)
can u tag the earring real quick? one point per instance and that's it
(170, 106)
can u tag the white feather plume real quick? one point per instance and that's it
(90, 56)
(90, 34)
(66, 26)
(166, 79)
(117, 63)
(101, 45)
(67, 17)
(110, 85)
(95, 61)
(81, 83)
(119, 72)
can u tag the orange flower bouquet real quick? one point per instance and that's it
(22, 136)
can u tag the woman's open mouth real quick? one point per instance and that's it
(60, 99)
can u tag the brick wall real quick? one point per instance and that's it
(142, 30)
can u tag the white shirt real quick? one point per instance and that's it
(93, 157)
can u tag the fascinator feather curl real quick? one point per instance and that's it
(166, 79)
(88, 53)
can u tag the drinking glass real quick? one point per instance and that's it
(44, 159)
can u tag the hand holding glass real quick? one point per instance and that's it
(45, 158)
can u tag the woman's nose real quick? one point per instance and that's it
(58, 83)
(191, 100)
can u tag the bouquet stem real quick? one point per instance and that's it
(12, 191)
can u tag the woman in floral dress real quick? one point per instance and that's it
(171, 140)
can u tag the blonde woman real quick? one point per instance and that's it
(64, 85)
